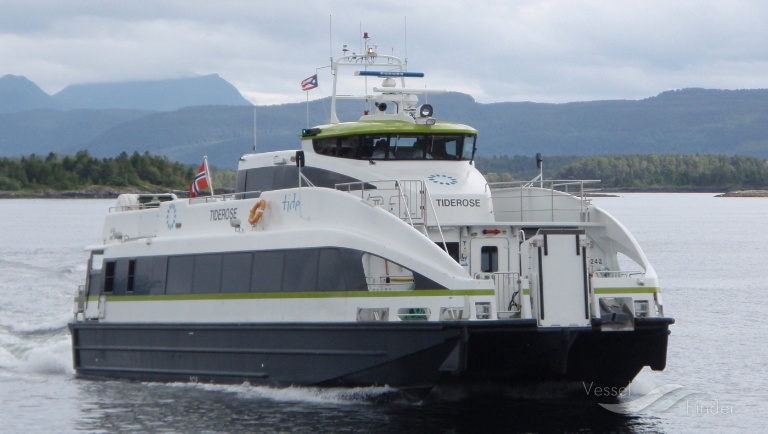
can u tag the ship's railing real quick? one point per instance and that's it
(193, 200)
(507, 289)
(142, 201)
(134, 207)
(537, 200)
(226, 197)
(405, 199)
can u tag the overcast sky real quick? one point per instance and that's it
(506, 50)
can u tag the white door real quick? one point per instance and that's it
(562, 290)
(488, 255)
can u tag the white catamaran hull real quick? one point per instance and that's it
(376, 255)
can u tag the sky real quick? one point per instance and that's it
(549, 51)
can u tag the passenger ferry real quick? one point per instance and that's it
(377, 254)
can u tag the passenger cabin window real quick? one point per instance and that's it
(109, 276)
(398, 147)
(323, 269)
(131, 275)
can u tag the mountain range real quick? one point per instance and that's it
(185, 119)
(18, 93)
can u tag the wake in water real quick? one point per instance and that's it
(36, 348)
(307, 395)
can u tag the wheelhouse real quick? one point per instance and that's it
(398, 146)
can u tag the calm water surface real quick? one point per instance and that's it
(710, 254)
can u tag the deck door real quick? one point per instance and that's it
(562, 287)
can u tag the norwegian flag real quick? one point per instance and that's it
(309, 83)
(201, 180)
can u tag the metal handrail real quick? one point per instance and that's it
(437, 221)
(551, 185)
(507, 289)
(399, 187)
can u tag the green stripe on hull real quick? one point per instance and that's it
(291, 295)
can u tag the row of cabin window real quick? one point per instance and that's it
(396, 147)
(321, 269)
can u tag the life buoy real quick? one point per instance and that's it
(257, 211)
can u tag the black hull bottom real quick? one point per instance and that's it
(402, 355)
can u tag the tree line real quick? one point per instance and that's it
(73, 172)
(674, 171)
(145, 171)
(671, 171)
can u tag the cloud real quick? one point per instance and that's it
(537, 50)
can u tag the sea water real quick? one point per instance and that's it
(710, 254)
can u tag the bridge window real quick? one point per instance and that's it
(398, 147)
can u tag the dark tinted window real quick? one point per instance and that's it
(453, 249)
(326, 146)
(206, 277)
(236, 272)
(109, 276)
(398, 146)
(300, 272)
(267, 275)
(352, 266)
(180, 274)
(131, 275)
(324, 269)
(150, 275)
(489, 256)
(121, 276)
(330, 271)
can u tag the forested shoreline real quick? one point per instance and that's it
(652, 172)
(82, 175)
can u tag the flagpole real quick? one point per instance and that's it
(208, 174)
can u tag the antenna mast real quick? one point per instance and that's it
(405, 37)
(330, 37)
(254, 128)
